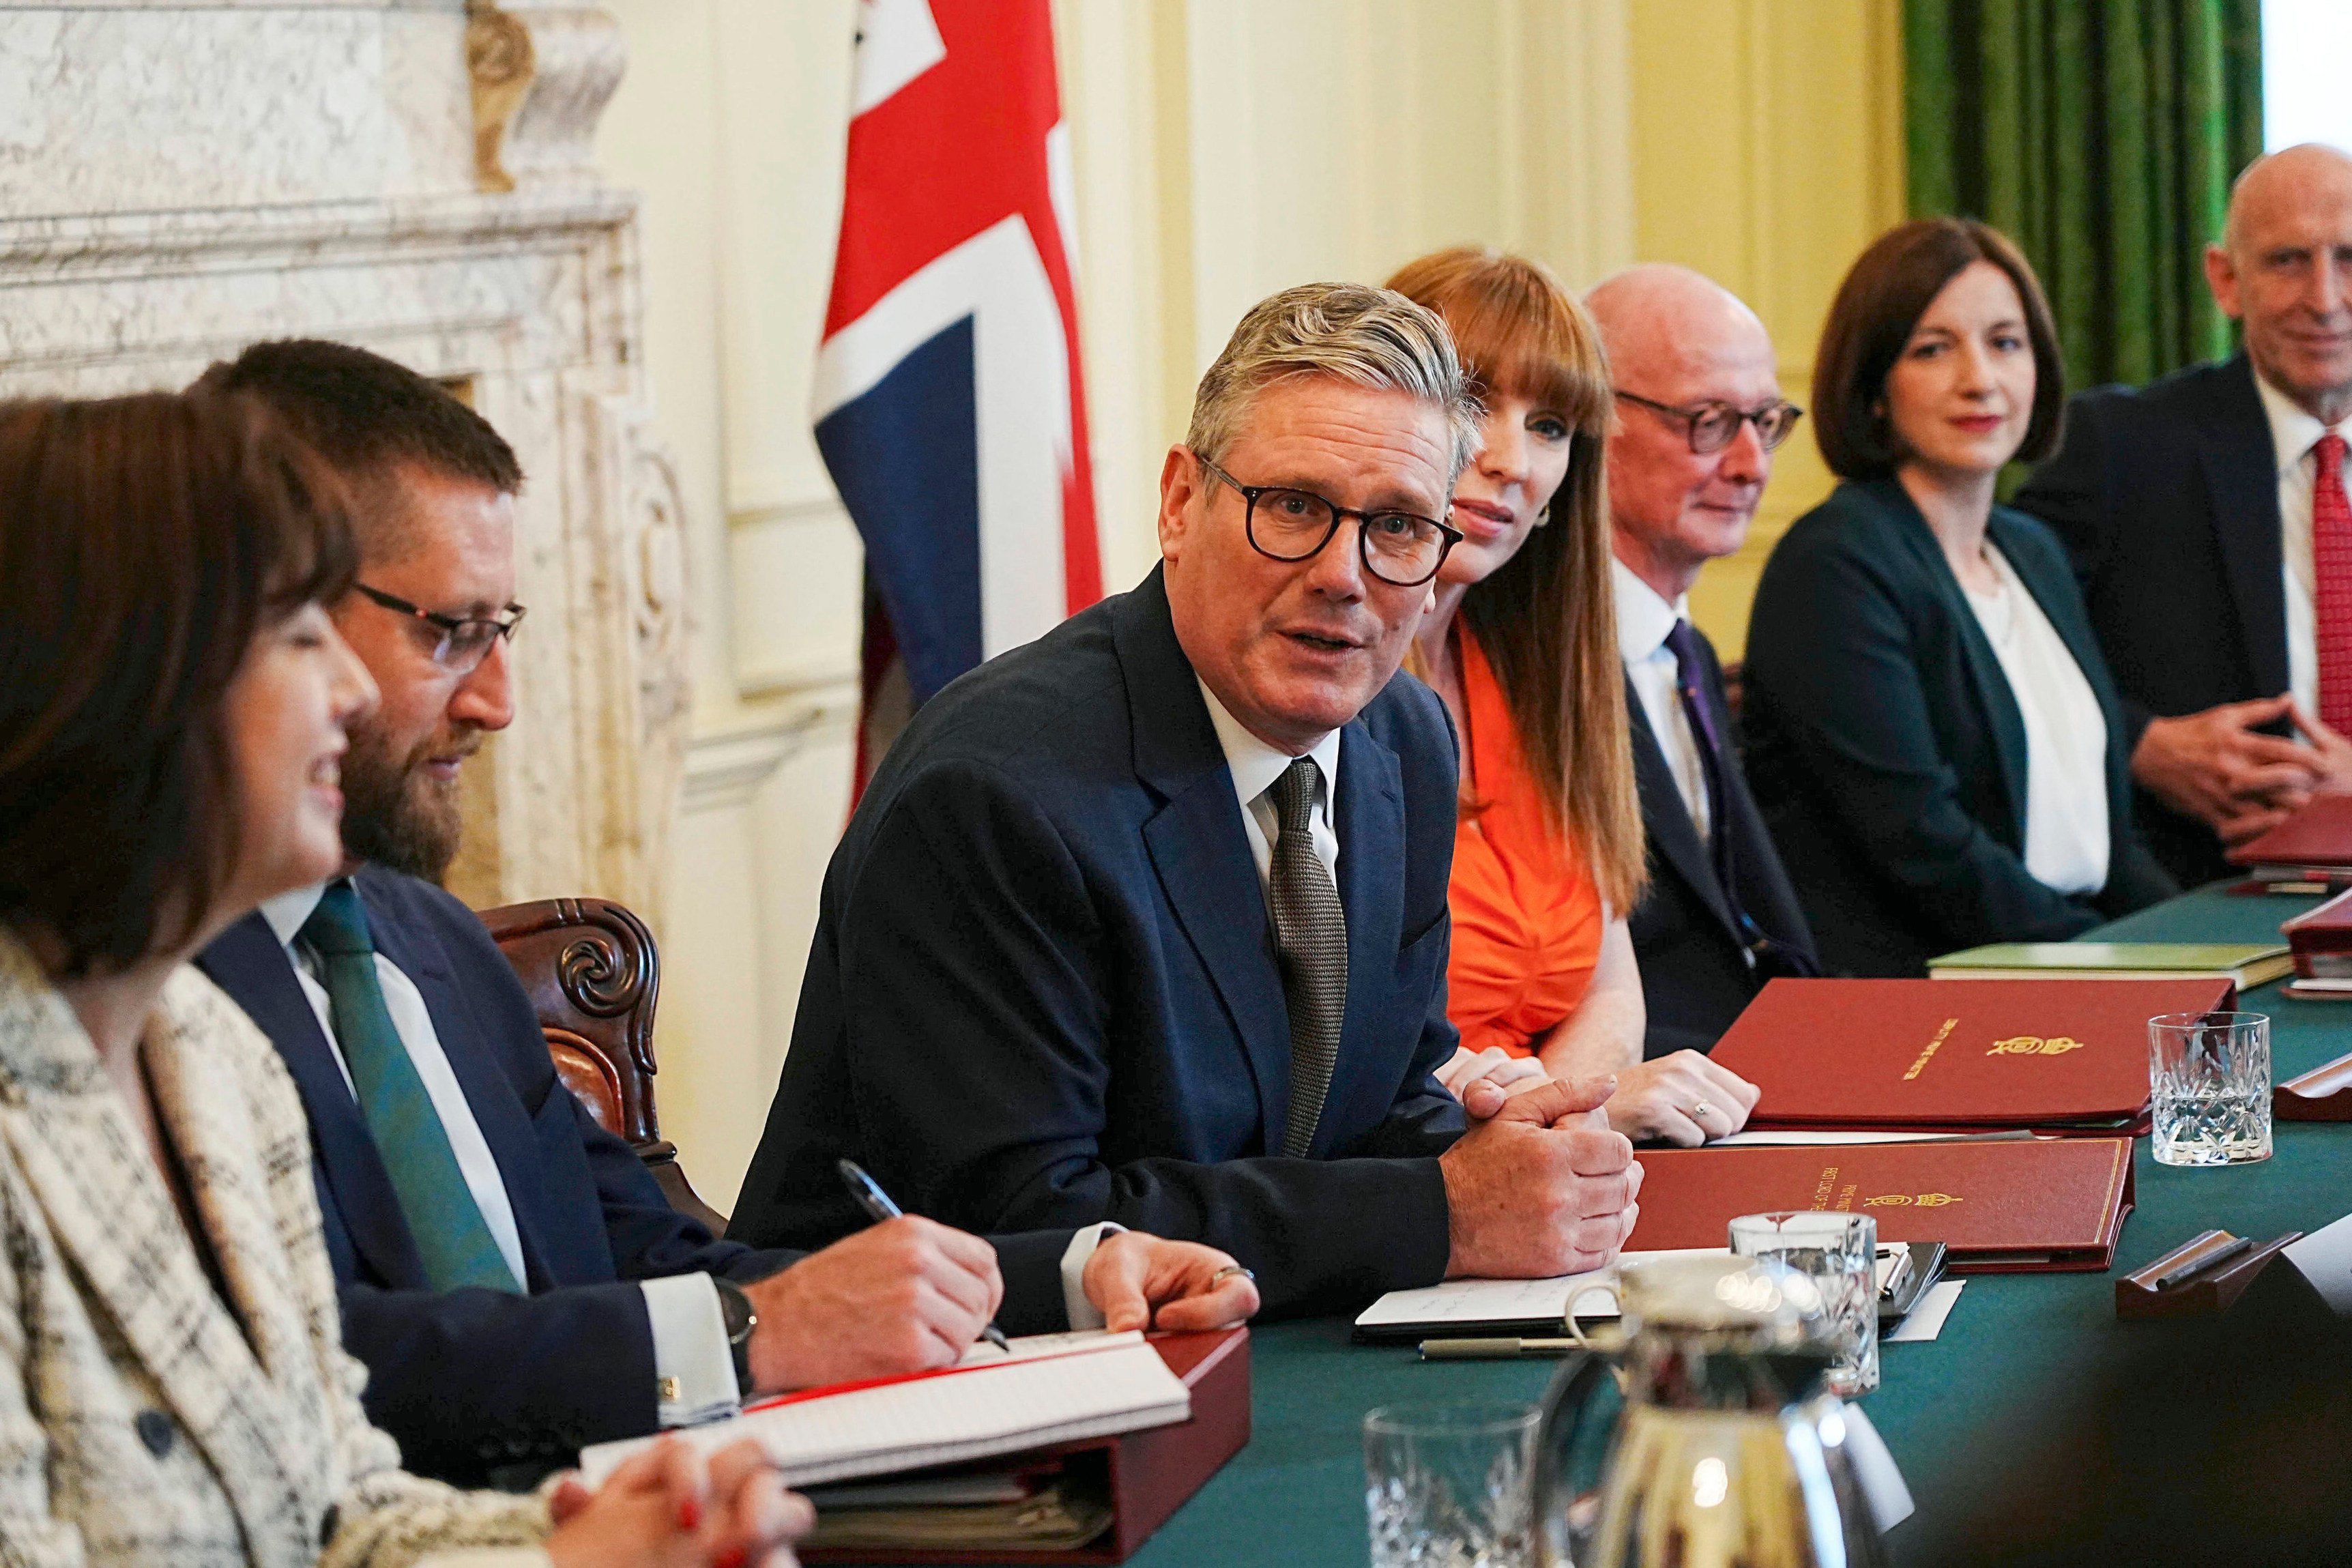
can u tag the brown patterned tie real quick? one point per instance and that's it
(1311, 931)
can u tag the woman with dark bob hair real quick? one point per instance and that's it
(1931, 733)
(172, 1383)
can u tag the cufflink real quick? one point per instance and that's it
(670, 1390)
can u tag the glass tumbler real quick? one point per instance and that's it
(2209, 1088)
(1838, 1253)
(1450, 1486)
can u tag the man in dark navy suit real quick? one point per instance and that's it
(1145, 921)
(2207, 514)
(510, 1272)
(1699, 413)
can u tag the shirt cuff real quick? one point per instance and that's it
(694, 1368)
(1083, 1313)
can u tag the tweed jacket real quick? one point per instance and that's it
(141, 1420)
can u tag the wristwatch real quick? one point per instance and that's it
(735, 1311)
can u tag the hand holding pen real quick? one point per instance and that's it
(879, 1207)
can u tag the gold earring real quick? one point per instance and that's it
(1544, 516)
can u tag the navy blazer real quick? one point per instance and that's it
(473, 1380)
(1887, 751)
(2168, 501)
(1044, 988)
(1695, 977)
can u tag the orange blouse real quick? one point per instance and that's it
(1527, 910)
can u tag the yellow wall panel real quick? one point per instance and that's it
(1767, 152)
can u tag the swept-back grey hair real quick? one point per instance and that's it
(1372, 337)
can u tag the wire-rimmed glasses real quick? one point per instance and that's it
(1711, 426)
(1402, 549)
(460, 642)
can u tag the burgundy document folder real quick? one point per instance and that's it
(1151, 1473)
(2033, 1205)
(2056, 1055)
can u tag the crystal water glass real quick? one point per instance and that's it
(2209, 1088)
(1450, 1486)
(1838, 1253)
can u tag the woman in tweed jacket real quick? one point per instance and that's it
(172, 1386)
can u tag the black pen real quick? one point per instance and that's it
(878, 1207)
(2190, 1268)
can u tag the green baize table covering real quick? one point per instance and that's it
(1295, 1496)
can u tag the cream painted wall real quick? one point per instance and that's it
(1767, 152)
(1224, 149)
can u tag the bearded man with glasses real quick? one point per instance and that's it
(1699, 415)
(1144, 924)
(508, 1271)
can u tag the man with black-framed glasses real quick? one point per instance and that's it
(1146, 923)
(1699, 413)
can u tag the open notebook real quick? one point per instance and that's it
(1050, 1388)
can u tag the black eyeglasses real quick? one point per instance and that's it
(460, 642)
(1712, 426)
(1402, 549)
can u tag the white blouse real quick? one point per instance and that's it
(2067, 838)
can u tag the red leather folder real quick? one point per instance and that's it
(2031, 1207)
(2318, 835)
(1151, 1473)
(2066, 1055)
(2321, 940)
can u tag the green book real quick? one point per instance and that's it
(2247, 964)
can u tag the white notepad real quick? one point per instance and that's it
(1055, 1388)
(1471, 1303)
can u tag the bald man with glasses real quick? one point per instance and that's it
(1699, 415)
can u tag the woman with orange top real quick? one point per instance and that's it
(1520, 642)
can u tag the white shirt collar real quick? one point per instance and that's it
(288, 913)
(1643, 617)
(2294, 431)
(1254, 765)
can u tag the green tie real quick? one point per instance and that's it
(457, 1247)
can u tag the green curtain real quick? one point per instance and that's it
(2102, 136)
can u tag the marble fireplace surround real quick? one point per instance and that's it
(413, 176)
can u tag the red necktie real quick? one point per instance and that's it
(2331, 560)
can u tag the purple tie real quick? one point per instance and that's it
(1687, 665)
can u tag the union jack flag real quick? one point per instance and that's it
(949, 403)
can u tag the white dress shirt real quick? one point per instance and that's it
(696, 1369)
(2293, 434)
(1643, 621)
(2066, 834)
(1255, 766)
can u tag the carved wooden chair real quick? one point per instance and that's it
(593, 977)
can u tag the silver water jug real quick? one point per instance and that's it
(1708, 1438)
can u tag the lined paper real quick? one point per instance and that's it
(1116, 1383)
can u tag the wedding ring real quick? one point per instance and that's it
(1701, 1109)
(1229, 1271)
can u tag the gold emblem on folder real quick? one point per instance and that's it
(2034, 1045)
(1905, 1200)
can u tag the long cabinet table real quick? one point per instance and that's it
(1295, 1495)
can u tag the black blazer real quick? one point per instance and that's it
(471, 1380)
(1044, 988)
(1886, 750)
(1695, 977)
(2168, 501)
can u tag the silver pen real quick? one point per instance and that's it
(1493, 1349)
